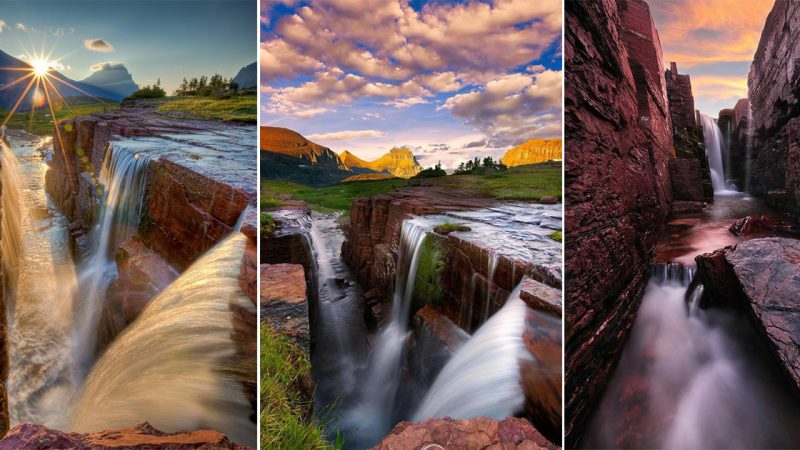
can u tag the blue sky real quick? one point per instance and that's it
(450, 79)
(165, 39)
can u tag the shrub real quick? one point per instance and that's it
(154, 91)
(431, 172)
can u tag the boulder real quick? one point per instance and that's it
(451, 434)
(757, 223)
(143, 437)
(284, 304)
(619, 137)
(762, 278)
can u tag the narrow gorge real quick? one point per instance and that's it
(681, 242)
(129, 267)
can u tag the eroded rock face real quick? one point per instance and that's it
(686, 177)
(774, 93)
(399, 162)
(619, 138)
(450, 434)
(762, 278)
(143, 436)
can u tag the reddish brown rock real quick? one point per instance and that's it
(283, 300)
(142, 273)
(619, 142)
(477, 433)
(774, 93)
(686, 177)
(142, 437)
(758, 223)
(541, 297)
(762, 278)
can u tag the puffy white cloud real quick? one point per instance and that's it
(21, 27)
(346, 135)
(3, 25)
(110, 65)
(98, 45)
(280, 60)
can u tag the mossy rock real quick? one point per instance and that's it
(428, 286)
(447, 228)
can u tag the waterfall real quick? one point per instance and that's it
(176, 366)
(713, 141)
(483, 376)
(11, 242)
(124, 177)
(682, 361)
(375, 412)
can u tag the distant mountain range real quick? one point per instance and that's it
(9, 95)
(246, 78)
(532, 152)
(113, 77)
(287, 155)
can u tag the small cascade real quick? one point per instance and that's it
(494, 259)
(14, 208)
(375, 412)
(483, 376)
(681, 362)
(176, 365)
(713, 141)
(124, 177)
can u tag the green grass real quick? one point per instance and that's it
(428, 282)
(267, 223)
(283, 424)
(40, 122)
(331, 198)
(236, 109)
(449, 227)
(556, 236)
(270, 201)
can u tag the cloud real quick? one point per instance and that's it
(346, 135)
(98, 45)
(513, 108)
(475, 144)
(111, 65)
(21, 27)
(279, 60)
(406, 102)
(3, 25)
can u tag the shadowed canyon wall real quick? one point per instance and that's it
(774, 93)
(619, 138)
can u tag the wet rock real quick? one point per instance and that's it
(142, 273)
(436, 339)
(684, 207)
(284, 304)
(774, 93)
(143, 436)
(619, 138)
(541, 297)
(451, 434)
(762, 278)
(549, 200)
(757, 223)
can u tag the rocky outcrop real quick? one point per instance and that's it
(284, 303)
(143, 437)
(532, 152)
(691, 181)
(480, 432)
(399, 162)
(286, 155)
(619, 138)
(761, 277)
(774, 93)
(190, 205)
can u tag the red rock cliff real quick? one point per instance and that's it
(619, 142)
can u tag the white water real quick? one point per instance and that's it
(713, 142)
(13, 209)
(483, 376)
(379, 392)
(124, 179)
(695, 377)
(748, 149)
(175, 365)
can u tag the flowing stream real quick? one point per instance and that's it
(182, 364)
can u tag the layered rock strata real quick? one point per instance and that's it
(774, 93)
(619, 138)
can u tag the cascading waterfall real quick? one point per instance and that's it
(713, 141)
(483, 376)
(175, 365)
(748, 149)
(683, 362)
(124, 177)
(14, 208)
(376, 410)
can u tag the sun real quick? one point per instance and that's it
(40, 66)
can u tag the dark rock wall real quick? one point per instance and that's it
(774, 93)
(688, 183)
(619, 142)
(4, 364)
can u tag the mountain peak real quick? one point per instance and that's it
(533, 151)
(112, 77)
(399, 161)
